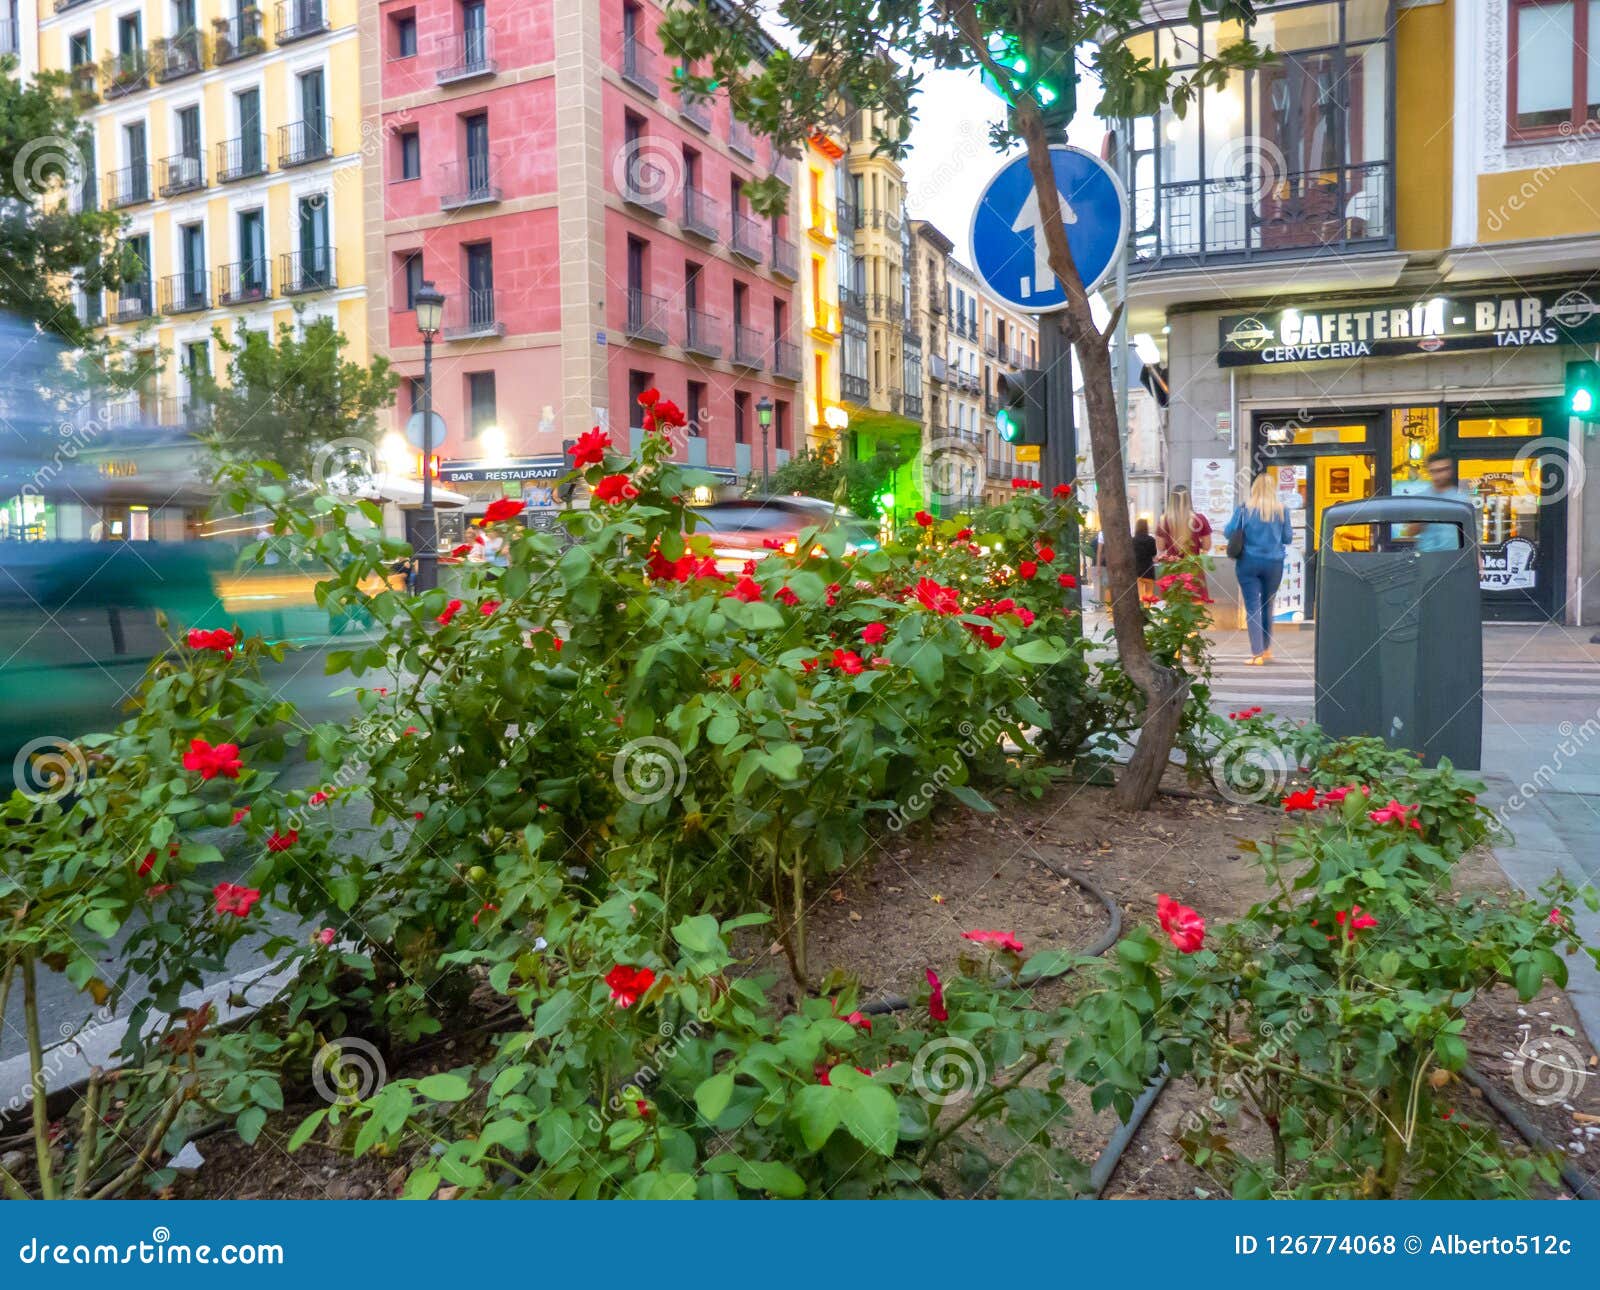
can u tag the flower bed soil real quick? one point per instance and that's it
(903, 910)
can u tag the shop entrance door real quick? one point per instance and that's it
(1317, 464)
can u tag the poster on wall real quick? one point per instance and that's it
(1211, 495)
(1290, 605)
(1508, 566)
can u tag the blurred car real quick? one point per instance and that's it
(750, 528)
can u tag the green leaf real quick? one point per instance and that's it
(969, 797)
(306, 1128)
(1529, 976)
(816, 1109)
(698, 935)
(444, 1087)
(102, 921)
(1040, 652)
(771, 1177)
(870, 1114)
(785, 761)
(250, 1123)
(712, 1096)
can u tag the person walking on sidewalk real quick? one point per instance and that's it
(1182, 531)
(1264, 522)
(1144, 559)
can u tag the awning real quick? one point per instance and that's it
(407, 493)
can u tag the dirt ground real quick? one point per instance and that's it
(904, 909)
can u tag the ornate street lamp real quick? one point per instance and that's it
(429, 303)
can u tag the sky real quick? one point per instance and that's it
(951, 158)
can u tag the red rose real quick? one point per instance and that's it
(1061, 490)
(233, 899)
(848, 662)
(1396, 814)
(668, 413)
(923, 519)
(746, 589)
(211, 761)
(319, 798)
(936, 1009)
(962, 535)
(1000, 940)
(488, 607)
(503, 508)
(628, 983)
(942, 600)
(590, 450)
(1068, 581)
(147, 864)
(240, 814)
(450, 611)
(614, 489)
(1334, 795)
(1184, 928)
(650, 397)
(220, 640)
(1026, 570)
(1304, 800)
(808, 665)
(873, 633)
(1046, 554)
(1356, 920)
(860, 1021)
(282, 841)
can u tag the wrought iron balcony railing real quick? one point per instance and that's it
(133, 301)
(300, 20)
(182, 174)
(302, 272)
(244, 281)
(647, 317)
(785, 258)
(702, 334)
(302, 142)
(242, 158)
(702, 214)
(179, 56)
(466, 55)
(185, 293)
(786, 360)
(124, 74)
(129, 186)
(472, 181)
(749, 347)
(697, 111)
(639, 65)
(237, 37)
(471, 314)
(747, 238)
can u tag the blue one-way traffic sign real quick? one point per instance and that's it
(1008, 242)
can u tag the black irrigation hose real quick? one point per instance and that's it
(1106, 1165)
(1581, 1187)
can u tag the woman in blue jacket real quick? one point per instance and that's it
(1267, 531)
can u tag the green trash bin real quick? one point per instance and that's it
(1400, 626)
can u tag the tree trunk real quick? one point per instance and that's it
(1165, 690)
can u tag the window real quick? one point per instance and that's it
(412, 391)
(411, 155)
(1555, 65)
(130, 34)
(403, 35)
(638, 383)
(696, 409)
(480, 402)
(80, 50)
(780, 424)
(410, 277)
(741, 417)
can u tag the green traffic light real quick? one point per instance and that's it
(1582, 402)
(886, 501)
(1008, 425)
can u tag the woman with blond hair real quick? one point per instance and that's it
(1264, 522)
(1182, 531)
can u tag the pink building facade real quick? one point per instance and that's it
(589, 232)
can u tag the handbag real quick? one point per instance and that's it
(1236, 543)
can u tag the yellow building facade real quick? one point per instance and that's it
(818, 204)
(229, 138)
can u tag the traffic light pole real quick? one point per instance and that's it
(1059, 463)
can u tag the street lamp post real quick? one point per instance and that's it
(429, 303)
(764, 416)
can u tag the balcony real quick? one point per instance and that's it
(990, 347)
(472, 315)
(125, 74)
(85, 81)
(935, 303)
(471, 182)
(300, 20)
(886, 220)
(749, 347)
(133, 302)
(647, 317)
(848, 217)
(938, 369)
(854, 389)
(185, 293)
(639, 66)
(881, 308)
(703, 334)
(852, 301)
(8, 37)
(467, 55)
(911, 404)
(827, 323)
(991, 405)
(741, 140)
(303, 142)
(241, 158)
(182, 174)
(696, 111)
(244, 282)
(747, 238)
(179, 56)
(702, 215)
(1244, 218)
(129, 186)
(786, 360)
(785, 258)
(180, 410)
(645, 181)
(237, 37)
(302, 272)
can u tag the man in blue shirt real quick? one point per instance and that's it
(1442, 475)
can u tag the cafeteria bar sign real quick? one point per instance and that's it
(1505, 321)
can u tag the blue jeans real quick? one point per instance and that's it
(1258, 584)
